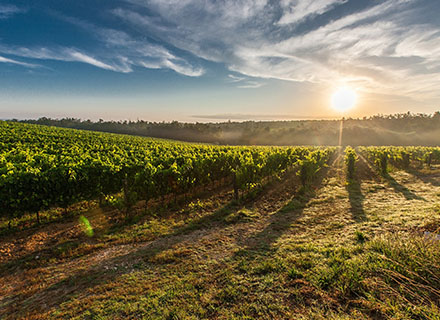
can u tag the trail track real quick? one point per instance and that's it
(213, 241)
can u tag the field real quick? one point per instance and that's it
(102, 226)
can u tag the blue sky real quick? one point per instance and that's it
(205, 60)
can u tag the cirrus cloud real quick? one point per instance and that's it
(7, 11)
(374, 44)
(299, 40)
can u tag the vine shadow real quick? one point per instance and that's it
(281, 221)
(426, 178)
(356, 198)
(399, 188)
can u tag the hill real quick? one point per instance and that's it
(399, 130)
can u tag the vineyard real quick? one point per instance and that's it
(43, 167)
(106, 226)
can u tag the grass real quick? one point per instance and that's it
(29, 221)
(337, 251)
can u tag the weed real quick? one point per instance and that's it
(294, 274)
(360, 236)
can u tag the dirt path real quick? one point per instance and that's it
(15, 286)
(204, 248)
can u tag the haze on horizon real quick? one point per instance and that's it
(206, 60)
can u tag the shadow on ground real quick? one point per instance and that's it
(433, 180)
(356, 198)
(399, 188)
(103, 272)
(280, 222)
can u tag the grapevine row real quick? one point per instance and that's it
(43, 167)
(403, 157)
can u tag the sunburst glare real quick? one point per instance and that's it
(343, 99)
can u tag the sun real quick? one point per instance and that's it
(344, 99)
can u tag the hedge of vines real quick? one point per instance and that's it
(403, 157)
(43, 167)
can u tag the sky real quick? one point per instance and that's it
(207, 60)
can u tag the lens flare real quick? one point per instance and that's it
(86, 226)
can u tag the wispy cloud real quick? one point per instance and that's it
(12, 61)
(295, 11)
(374, 44)
(120, 63)
(183, 69)
(7, 11)
(234, 78)
(250, 85)
(368, 44)
(63, 54)
(74, 55)
(116, 50)
(134, 52)
(244, 82)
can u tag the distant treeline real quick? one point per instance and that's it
(397, 129)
